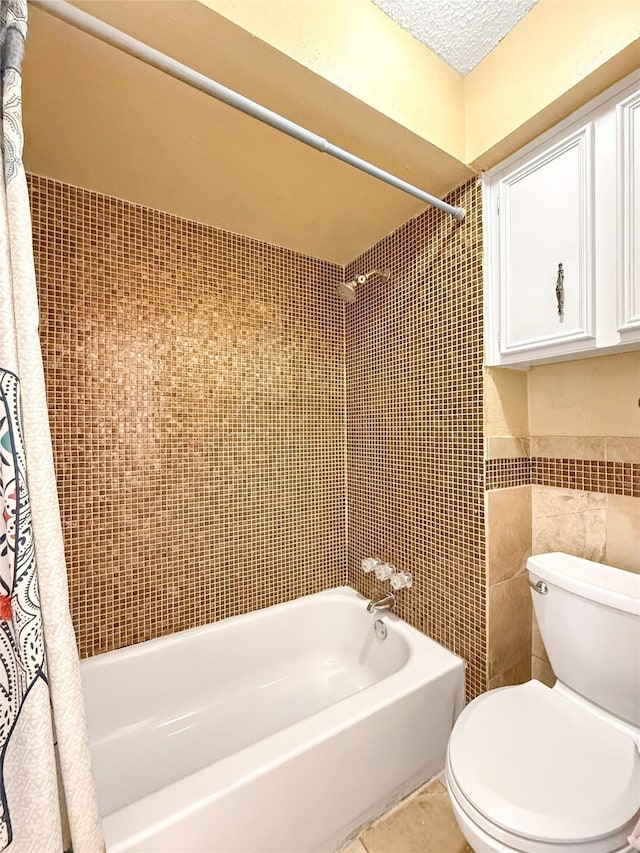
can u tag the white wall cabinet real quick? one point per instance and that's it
(628, 156)
(562, 256)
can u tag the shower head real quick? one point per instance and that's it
(347, 290)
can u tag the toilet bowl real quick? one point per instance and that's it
(549, 770)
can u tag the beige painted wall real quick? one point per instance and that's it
(339, 67)
(505, 407)
(114, 125)
(588, 397)
(358, 48)
(560, 55)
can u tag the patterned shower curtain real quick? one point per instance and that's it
(47, 792)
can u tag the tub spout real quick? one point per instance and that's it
(386, 603)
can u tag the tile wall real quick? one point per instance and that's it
(582, 447)
(508, 514)
(414, 426)
(196, 393)
(197, 399)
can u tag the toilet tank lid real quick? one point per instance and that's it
(614, 587)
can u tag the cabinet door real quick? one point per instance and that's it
(628, 133)
(546, 250)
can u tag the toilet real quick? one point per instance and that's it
(557, 770)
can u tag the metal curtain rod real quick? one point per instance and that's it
(106, 33)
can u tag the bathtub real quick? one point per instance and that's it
(286, 729)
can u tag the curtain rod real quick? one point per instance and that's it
(106, 33)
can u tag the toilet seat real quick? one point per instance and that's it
(517, 765)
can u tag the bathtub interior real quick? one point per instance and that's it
(168, 708)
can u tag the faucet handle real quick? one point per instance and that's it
(401, 580)
(369, 564)
(385, 571)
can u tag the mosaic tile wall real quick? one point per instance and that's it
(414, 426)
(507, 473)
(195, 382)
(589, 475)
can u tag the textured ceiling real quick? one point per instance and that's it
(462, 32)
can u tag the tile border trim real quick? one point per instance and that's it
(507, 473)
(611, 478)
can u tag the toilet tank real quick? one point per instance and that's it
(590, 623)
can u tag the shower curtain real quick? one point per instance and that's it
(47, 791)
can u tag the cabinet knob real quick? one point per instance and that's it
(560, 291)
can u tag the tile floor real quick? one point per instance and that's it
(423, 823)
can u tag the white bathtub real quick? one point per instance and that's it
(283, 730)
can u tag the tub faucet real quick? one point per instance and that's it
(386, 603)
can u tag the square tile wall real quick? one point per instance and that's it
(414, 354)
(196, 393)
